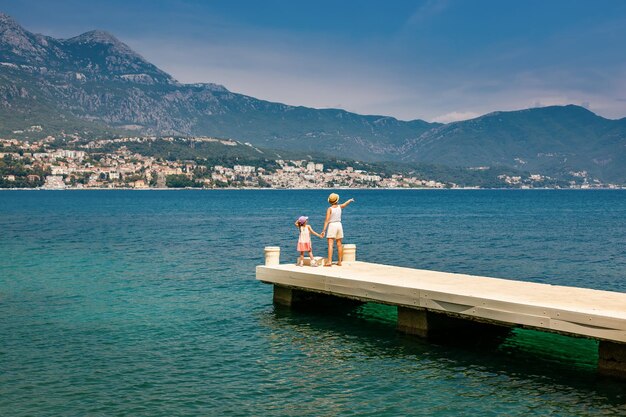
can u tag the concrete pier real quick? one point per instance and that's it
(436, 304)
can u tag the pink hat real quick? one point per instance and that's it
(302, 220)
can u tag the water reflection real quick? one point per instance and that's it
(551, 370)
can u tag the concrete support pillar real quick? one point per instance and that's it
(413, 321)
(612, 359)
(349, 252)
(307, 300)
(272, 255)
(284, 296)
(433, 325)
(290, 297)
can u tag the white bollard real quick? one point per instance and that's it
(349, 252)
(272, 255)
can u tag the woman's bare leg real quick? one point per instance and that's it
(329, 261)
(339, 252)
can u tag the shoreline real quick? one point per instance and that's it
(314, 189)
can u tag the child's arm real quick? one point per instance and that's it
(314, 232)
(344, 205)
(297, 224)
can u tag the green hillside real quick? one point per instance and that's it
(552, 140)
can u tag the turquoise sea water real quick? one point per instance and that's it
(118, 303)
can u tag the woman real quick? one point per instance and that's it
(335, 230)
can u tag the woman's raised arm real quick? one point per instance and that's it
(344, 205)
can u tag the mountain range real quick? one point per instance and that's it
(94, 85)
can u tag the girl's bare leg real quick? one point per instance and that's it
(301, 260)
(329, 261)
(339, 252)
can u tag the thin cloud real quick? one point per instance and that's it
(426, 12)
(455, 116)
(295, 76)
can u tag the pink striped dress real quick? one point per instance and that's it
(304, 240)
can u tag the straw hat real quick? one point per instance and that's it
(333, 198)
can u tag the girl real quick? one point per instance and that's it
(304, 240)
(335, 229)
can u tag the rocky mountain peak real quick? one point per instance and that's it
(96, 54)
(100, 54)
(11, 33)
(101, 39)
(7, 21)
(18, 45)
(96, 36)
(14, 35)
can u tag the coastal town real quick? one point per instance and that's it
(109, 163)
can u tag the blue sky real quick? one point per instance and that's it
(440, 60)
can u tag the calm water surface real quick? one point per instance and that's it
(117, 303)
